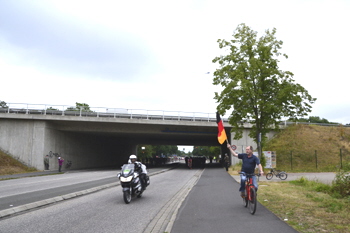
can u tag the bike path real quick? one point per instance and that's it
(214, 205)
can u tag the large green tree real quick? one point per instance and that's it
(255, 90)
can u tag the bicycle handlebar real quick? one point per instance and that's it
(250, 174)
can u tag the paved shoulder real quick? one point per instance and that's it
(214, 205)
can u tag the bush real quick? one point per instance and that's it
(263, 161)
(341, 183)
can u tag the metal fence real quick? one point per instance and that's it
(313, 160)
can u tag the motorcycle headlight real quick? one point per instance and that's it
(126, 179)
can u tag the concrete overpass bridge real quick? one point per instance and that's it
(101, 138)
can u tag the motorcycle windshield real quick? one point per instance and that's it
(127, 169)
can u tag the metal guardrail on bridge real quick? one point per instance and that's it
(66, 110)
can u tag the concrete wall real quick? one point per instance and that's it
(24, 140)
(29, 141)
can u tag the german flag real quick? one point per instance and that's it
(221, 130)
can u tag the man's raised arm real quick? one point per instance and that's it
(232, 151)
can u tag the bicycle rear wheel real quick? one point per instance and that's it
(283, 175)
(252, 200)
(269, 176)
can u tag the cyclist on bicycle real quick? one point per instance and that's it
(249, 162)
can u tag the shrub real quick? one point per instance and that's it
(341, 183)
(263, 161)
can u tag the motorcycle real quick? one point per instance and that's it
(130, 182)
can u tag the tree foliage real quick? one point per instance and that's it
(144, 151)
(165, 150)
(255, 90)
(52, 109)
(314, 119)
(149, 151)
(206, 151)
(3, 104)
(80, 107)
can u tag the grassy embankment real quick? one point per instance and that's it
(311, 148)
(309, 206)
(9, 165)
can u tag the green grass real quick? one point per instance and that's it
(307, 206)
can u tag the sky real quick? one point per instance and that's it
(157, 55)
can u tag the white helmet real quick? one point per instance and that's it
(132, 157)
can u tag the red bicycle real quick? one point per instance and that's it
(250, 193)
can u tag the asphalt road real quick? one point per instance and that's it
(105, 211)
(18, 192)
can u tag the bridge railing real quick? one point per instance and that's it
(66, 110)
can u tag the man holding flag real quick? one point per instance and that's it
(249, 163)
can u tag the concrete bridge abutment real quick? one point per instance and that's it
(29, 141)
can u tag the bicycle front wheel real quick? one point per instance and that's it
(269, 176)
(245, 199)
(283, 175)
(252, 200)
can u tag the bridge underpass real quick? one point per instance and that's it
(94, 142)
(147, 132)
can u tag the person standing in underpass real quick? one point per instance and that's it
(46, 162)
(249, 162)
(60, 162)
(226, 162)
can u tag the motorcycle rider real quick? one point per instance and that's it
(139, 168)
